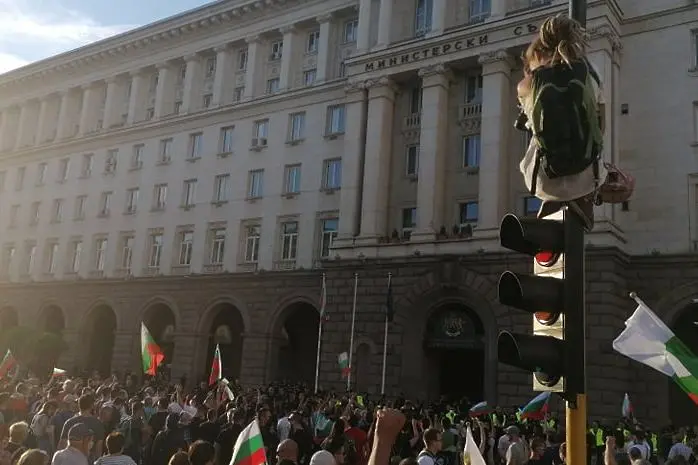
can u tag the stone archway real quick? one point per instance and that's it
(8, 318)
(99, 335)
(225, 327)
(682, 410)
(51, 319)
(294, 343)
(160, 320)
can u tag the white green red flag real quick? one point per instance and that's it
(249, 447)
(151, 354)
(537, 407)
(481, 408)
(57, 372)
(8, 363)
(344, 364)
(627, 407)
(216, 367)
(646, 339)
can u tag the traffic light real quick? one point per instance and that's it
(554, 295)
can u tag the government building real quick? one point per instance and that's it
(206, 174)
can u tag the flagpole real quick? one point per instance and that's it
(319, 335)
(385, 342)
(351, 338)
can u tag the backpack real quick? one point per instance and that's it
(565, 121)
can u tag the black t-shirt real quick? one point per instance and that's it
(226, 441)
(157, 422)
(208, 431)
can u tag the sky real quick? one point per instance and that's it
(31, 30)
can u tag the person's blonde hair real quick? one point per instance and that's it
(560, 40)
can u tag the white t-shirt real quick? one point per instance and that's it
(425, 459)
(680, 449)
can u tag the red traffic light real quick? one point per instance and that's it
(546, 258)
(546, 318)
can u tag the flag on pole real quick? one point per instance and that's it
(323, 302)
(249, 447)
(344, 364)
(481, 408)
(646, 339)
(58, 372)
(151, 354)
(471, 451)
(627, 408)
(537, 407)
(8, 363)
(216, 367)
(389, 310)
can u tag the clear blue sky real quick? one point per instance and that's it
(34, 29)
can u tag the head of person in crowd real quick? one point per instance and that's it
(34, 457)
(201, 453)
(513, 432)
(560, 40)
(263, 416)
(323, 457)
(433, 440)
(287, 450)
(86, 404)
(115, 443)
(48, 408)
(81, 437)
(179, 458)
(19, 432)
(537, 448)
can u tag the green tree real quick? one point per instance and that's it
(36, 351)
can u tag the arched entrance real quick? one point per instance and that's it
(99, 333)
(51, 320)
(160, 321)
(8, 318)
(226, 330)
(455, 352)
(296, 343)
(682, 410)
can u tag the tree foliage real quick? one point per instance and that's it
(35, 350)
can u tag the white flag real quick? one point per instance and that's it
(471, 452)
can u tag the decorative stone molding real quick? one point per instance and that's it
(433, 70)
(380, 82)
(354, 86)
(253, 39)
(191, 57)
(496, 56)
(605, 31)
(222, 48)
(326, 18)
(289, 29)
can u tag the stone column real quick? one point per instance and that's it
(323, 52)
(164, 94)
(24, 126)
(65, 115)
(494, 161)
(355, 128)
(363, 34)
(433, 149)
(111, 117)
(191, 79)
(286, 75)
(183, 362)
(499, 8)
(254, 52)
(379, 138)
(254, 356)
(385, 21)
(87, 114)
(439, 13)
(74, 355)
(125, 352)
(224, 63)
(139, 88)
(41, 121)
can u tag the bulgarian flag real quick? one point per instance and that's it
(646, 339)
(344, 364)
(58, 372)
(216, 367)
(8, 363)
(323, 302)
(627, 408)
(536, 408)
(481, 408)
(151, 354)
(249, 447)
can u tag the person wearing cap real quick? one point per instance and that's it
(80, 439)
(517, 452)
(85, 416)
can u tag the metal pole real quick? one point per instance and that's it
(385, 343)
(351, 338)
(576, 427)
(319, 332)
(578, 11)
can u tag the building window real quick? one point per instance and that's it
(34, 213)
(63, 170)
(422, 17)
(332, 174)
(412, 160)
(217, 246)
(221, 188)
(86, 168)
(261, 130)
(473, 89)
(30, 255)
(313, 42)
(110, 162)
(189, 193)
(75, 256)
(292, 179)
(226, 140)
(351, 29)
(186, 246)
(127, 253)
(165, 154)
(182, 74)
(57, 214)
(479, 10)
(416, 100)
(51, 256)
(132, 200)
(531, 205)
(468, 213)
(277, 50)
(329, 228)
(105, 203)
(242, 60)
(206, 100)
(155, 252)
(177, 107)
(471, 151)
(409, 222)
(210, 67)
(149, 113)
(289, 240)
(19, 182)
(41, 174)
(255, 184)
(273, 85)
(14, 214)
(253, 235)
(296, 126)
(80, 202)
(160, 197)
(100, 254)
(238, 93)
(335, 120)
(309, 77)
(8, 255)
(137, 156)
(195, 142)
